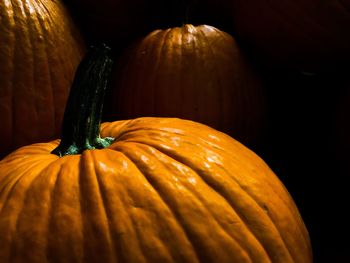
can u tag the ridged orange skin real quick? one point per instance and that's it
(196, 73)
(167, 190)
(40, 49)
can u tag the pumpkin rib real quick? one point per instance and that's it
(103, 198)
(148, 175)
(9, 184)
(52, 204)
(108, 213)
(272, 186)
(11, 217)
(183, 162)
(26, 69)
(199, 174)
(118, 147)
(59, 62)
(272, 189)
(170, 88)
(47, 52)
(162, 53)
(47, 9)
(59, 243)
(273, 221)
(189, 54)
(218, 73)
(198, 46)
(292, 208)
(55, 169)
(31, 24)
(34, 236)
(13, 177)
(234, 208)
(90, 188)
(201, 43)
(141, 171)
(194, 101)
(192, 255)
(7, 179)
(223, 105)
(120, 246)
(13, 78)
(181, 55)
(297, 225)
(47, 63)
(7, 86)
(200, 59)
(77, 203)
(288, 206)
(139, 233)
(243, 216)
(14, 248)
(167, 230)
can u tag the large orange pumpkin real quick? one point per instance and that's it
(39, 50)
(307, 35)
(196, 73)
(165, 190)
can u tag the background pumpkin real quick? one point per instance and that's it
(165, 190)
(196, 73)
(305, 35)
(39, 50)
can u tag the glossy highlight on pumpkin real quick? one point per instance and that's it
(166, 190)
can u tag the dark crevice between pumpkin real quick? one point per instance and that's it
(83, 113)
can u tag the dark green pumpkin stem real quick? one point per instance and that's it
(82, 116)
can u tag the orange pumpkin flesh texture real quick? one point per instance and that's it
(40, 49)
(190, 72)
(166, 190)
